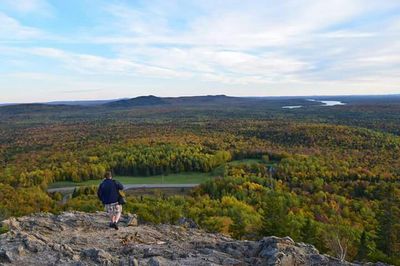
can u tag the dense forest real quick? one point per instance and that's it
(328, 176)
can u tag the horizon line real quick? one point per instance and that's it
(181, 96)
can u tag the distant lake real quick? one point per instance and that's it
(328, 103)
(323, 103)
(292, 106)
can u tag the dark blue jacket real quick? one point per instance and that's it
(108, 191)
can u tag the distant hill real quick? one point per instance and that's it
(34, 108)
(138, 101)
(187, 100)
(83, 103)
(207, 99)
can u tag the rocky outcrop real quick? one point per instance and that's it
(75, 238)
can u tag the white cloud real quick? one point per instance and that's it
(98, 65)
(289, 47)
(12, 30)
(235, 24)
(40, 7)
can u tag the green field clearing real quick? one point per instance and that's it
(180, 178)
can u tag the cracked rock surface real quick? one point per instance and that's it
(76, 238)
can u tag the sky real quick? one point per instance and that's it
(105, 49)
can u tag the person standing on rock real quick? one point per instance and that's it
(108, 193)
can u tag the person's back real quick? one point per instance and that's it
(108, 193)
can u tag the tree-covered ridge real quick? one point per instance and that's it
(379, 113)
(42, 155)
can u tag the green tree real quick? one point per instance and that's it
(275, 219)
(363, 248)
(389, 222)
(309, 232)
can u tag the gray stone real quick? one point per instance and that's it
(151, 252)
(288, 240)
(157, 261)
(132, 220)
(97, 255)
(133, 262)
(86, 239)
(33, 244)
(268, 252)
(206, 251)
(6, 256)
(234, 252)
(20, 251)
(231, 261)
(57, 247)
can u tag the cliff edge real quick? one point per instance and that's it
(76, 238)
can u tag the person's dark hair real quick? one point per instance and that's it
(108, 174)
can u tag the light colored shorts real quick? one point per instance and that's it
(113, 209)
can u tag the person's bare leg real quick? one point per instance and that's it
(112, 218)
(119, 214)
(117, 217)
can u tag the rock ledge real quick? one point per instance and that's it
(76, 238)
